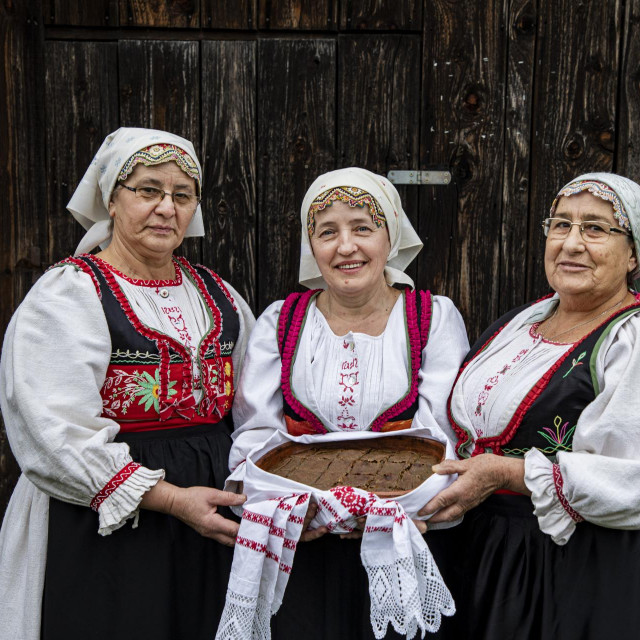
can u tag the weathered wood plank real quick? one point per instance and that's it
(95, 13)
(23, 223)
(370, 15)
(161, 90)
(229, 14)
(462, 128)
(379, 108)
(296, 142)
(82, 108)
(521, 32)
(228, 154)
(576, 84)
(160, 13)
(627, 161)
(299, 14)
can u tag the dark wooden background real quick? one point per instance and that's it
(513, 96)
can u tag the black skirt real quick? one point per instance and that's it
(161, 580)
(510, 581)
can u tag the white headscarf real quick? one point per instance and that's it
(89, 204)
(405, 243)
(628, 193)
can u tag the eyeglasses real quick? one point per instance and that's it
(155, 196)
(590, 230)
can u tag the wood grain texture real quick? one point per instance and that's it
(23, 224)
(379, 109)
(81, 81)
(299, 14)
(576, 84)
(296, 143)
(160, 88)
(627, 159)
(401, 15)
(463, 128)
(229, 14)
(160, 13)
(90, 13)
(521, 23)
(229, 157)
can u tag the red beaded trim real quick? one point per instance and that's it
(302, 301)
(82, 265)
(142, 283)
(415, 354)
(163, 342)
(558, 481)
(113, 484)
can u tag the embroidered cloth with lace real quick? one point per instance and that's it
(405, 586)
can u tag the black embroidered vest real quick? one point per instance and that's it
(547, 416)
(149, 380)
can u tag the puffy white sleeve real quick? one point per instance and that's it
(598, 480)
(247, 320)
(257, 407)
(441, 359)
(54, 359)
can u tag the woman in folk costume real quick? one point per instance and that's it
(354, 354)
(117, 379)
(547, 405)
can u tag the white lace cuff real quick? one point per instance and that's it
(555, 516)
(120, 499)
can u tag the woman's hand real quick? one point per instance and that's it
(311, 534)
(478, 478)
(196, 507)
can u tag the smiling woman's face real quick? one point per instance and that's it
(578, 268)
(350, 250)
(146, 229)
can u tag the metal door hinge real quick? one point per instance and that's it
(419, 177)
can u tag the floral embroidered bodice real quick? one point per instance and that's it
(171, 346)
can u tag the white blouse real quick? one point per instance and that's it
(346, 381)
(54, 360)
(600, 475)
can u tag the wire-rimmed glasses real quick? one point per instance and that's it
(590, 230)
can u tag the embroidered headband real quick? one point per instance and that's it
(352, 196)
(600, 190)
(159, 154)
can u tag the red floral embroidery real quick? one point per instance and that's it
(355, 503)
(113, 484)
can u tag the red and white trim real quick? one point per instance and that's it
(558, 481)
(124, 474)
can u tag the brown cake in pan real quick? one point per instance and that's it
(387, 467)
